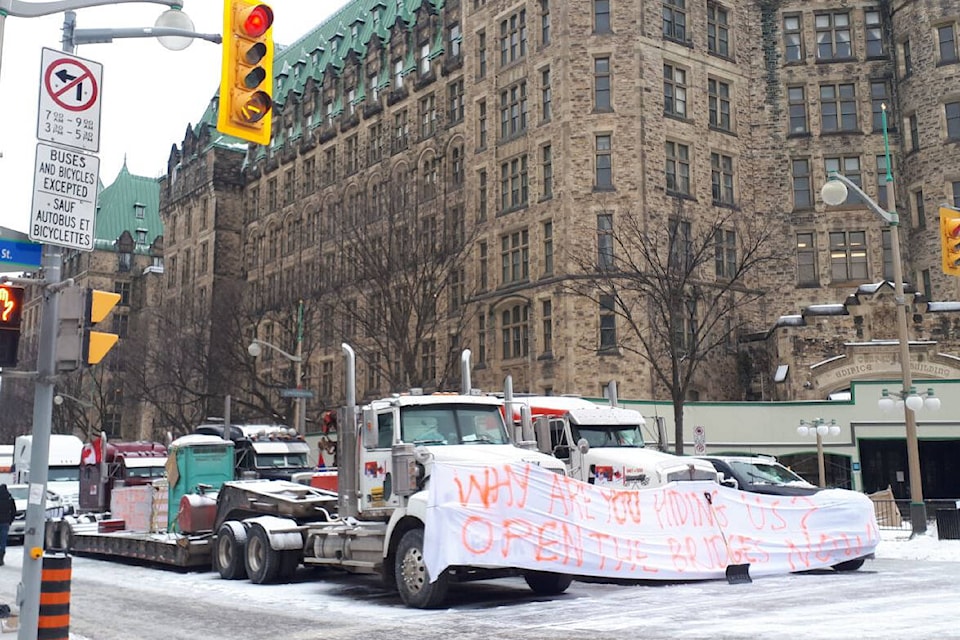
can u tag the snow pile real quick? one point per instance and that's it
(899, 546)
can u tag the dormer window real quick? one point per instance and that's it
(141, 236)
(376, 16)
(354, 32)
(139, 210)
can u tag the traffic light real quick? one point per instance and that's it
(11, 305)
(950, 240)
(246, 81)
(80, 310)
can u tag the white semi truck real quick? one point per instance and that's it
(604, 445)
(63, 474)
(387, 450)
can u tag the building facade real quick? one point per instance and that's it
(533, 130)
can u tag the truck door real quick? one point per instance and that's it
(376, 466)
(576, 466)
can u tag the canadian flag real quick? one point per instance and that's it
(92, 452)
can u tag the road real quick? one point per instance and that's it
(888, 598)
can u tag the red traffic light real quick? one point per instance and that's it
(256, 21)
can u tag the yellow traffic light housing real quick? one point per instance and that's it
(246, 82)
(950, 240)
(11, 305)
(96, 344)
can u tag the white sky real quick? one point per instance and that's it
(149, 95)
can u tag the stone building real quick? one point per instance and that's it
(543, 127)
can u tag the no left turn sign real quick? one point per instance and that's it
(70, 91)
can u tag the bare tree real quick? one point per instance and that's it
(681, 287)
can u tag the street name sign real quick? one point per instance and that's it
(69, 109)
(64, 197)
(19, 255)
(296, 393)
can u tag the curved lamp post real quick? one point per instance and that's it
(833, 193)
(819, 427)
(255, 349)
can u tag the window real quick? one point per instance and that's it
(603, 165)
(887, 254)
(513, 37)
(481, 338)
(428, 359)
(545, 22)
(608, 324)
(428, 116)
(955, 187)
(721, 178)
(674, 91)
(952, 112)
(947, 38)
(374, 144)
(455, 40)
(457, 289)
(880, 97)
(513, 110)
(398, 74)
(457, 165)
(513, 183)
(601, 84)
(330, 166)
(374, 85)
(838, 108)
(482, 196)
(725, 254)
(481, 54)
(139, 210)
(482, 280)
(546, 319)
(271, 202)
(848, 166)
(833, 36)
(675, 20)
(848, 256)
(309, 167)
(927, 287)
(601, 16)
(882, 181)
(719, 104)
(797, 106)
(516, 331)
(425, 60)
(123, 288)
(681, 245)
(547, 248)
(919, 210)
(515, 257)
(353, 154)
(802, 196)
(546, 166)
(907, 58)
(807, 260)
(455, 101)
(482, 124)
(678, 168)
(401, 131)
(718, 30)
(546, 97)
(873, 34)
(605, 241)
(792, 38)
(914, 132)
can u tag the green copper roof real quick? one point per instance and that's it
(120, 206)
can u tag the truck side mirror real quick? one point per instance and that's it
(370, 434)
(729, 482)
(541, 429)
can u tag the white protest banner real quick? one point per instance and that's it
(527, 517)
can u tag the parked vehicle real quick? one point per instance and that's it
(271, 451)
(760, 474)
(20, 493)
(63, 471)
(115, 465)
(604, 445)
(6, 464)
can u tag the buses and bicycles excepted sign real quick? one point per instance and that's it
(69, 110)
(64, 197)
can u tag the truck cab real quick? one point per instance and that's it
(265, 451)
(117, 464)
(604, 445)
(63, 470)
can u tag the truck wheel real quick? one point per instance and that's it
(228, 555)
(544, 583)
(263, 562)
(413, 581)
(849, 565)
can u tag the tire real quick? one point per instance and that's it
(412, 579)
(849, 565)
(544, 583)
(229, 553)
(262, 561)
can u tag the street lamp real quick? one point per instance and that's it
(834, 192)
(255, 348)
(819, 427)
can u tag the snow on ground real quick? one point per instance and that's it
(897, 544)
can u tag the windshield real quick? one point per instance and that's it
(63, 474)
(281, 460)
(453, 424)
(765, 472)
(146, 472)
(609, 436)
(18, 493)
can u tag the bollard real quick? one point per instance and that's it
(54, 619)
